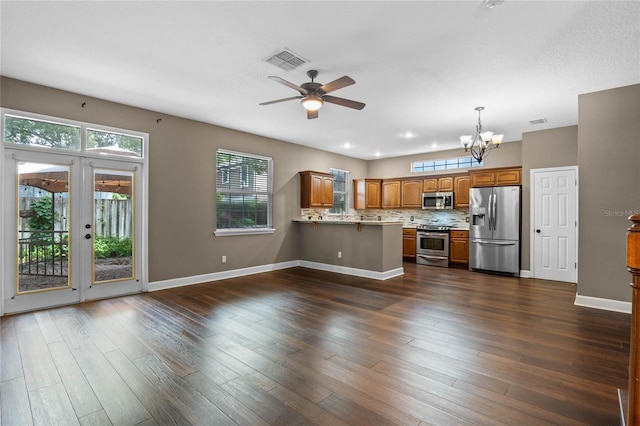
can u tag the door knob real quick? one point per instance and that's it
(88, 226)
(88, 236)
(537, 231)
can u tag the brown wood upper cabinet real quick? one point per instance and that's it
(412, 193)
(367, 194)
(461, 185)
(496, 177)
(438, 184)
(316, 189)
(391, 193)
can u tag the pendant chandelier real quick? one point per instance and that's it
(479, 146)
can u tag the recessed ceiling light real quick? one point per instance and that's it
(492, 3)
(409, 134)
(377, 154)
(434, 145)
(346, 145)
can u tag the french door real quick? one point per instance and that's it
(72, 229)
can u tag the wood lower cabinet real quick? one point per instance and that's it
(409, 243)
(367, 194)
(412, 194)
(459, 246)
(496, 177)
(391, 194)
(461, 186)
(316, 189)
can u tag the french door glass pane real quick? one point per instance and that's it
(43, 227)
(113, 226)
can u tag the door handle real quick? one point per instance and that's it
(87, 236)
(537, 231)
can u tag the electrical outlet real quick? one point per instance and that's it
(339, 255)
(224, 259)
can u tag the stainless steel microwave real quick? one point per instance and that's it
(437, 200)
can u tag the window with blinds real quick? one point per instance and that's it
(244, 192)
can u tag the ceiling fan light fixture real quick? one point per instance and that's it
(312, 103)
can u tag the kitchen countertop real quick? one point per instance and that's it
(348, 221)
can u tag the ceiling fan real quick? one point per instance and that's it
(314, 94)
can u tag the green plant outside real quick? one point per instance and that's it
(106, 247)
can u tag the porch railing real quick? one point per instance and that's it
(43, 252)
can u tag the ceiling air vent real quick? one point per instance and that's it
(287, 60)
(538, 121)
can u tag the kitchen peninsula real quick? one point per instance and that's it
(365, 248)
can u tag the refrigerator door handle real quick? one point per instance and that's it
(490, 209)
(495, 211)
(495, 243)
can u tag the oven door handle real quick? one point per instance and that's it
(426, 256)
(433, 234)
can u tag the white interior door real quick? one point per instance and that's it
(554, 223)
(72, 229)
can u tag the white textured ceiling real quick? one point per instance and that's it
(420, 66)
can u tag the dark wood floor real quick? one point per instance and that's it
(435, 346)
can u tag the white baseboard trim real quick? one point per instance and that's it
(605, 304)
(525, 274)
(353, 271)
(215, 276)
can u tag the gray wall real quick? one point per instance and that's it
(372, 248)
(182, 162)
(509, 154)
(182, 177)
(609, 161)
(542, 149)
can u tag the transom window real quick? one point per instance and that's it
(244, 193)
(340, 191)
(448, 164)
(39, 132)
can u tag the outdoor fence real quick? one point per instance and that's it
(113, 218)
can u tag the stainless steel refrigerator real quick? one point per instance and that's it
(494, 229)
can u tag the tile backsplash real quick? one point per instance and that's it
(453, 218)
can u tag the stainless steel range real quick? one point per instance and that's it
(432, 245)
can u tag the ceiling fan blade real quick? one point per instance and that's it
(337, 84)
(289, 84)
(312, 114)
(343, 102)
(280, 100)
